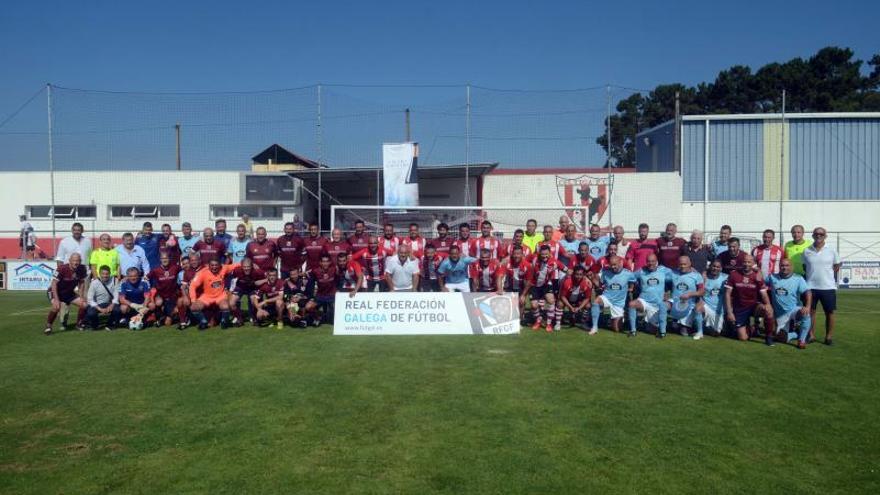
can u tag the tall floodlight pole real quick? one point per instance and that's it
(782, 171)
(608, 163)
(177, 139)
(467, 147)
(51, 163)
(320, 139)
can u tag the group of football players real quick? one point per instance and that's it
(560, 275)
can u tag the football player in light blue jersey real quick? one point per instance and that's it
(598, 243)
(187, 240)
(687, 289)
(570, 243)
(791, 303)
(720, 245)
(652, 280)
(712, 305)
(238, 245)
(617, 283)
(453, 271)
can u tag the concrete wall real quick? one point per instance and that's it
(194, 191)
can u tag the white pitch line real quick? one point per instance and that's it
(27, 311)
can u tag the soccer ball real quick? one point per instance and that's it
(136, 322)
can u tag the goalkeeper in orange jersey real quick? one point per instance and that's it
(208, 290)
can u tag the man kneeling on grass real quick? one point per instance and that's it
(135, 297)
(103, 299)
(746, 297)
(208, 291)
(269, 300)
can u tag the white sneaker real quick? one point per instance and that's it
(47, 331)
(698, 336)
(558, 327)
(594, 331)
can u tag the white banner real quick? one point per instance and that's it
(426, 313)
(860, 275)
(400, 174)
(29, 275)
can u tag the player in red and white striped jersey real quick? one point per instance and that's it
(429, 266)
(415, 241)
(372, 261)
(544, 274)
(575, 296)
(465, 242)
(517, 242)
(488, 241)
(768, 255)
(350, 274)
(486, 274)
(517, 272)
(389, 241)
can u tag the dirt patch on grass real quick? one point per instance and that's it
(76, 448)
(14, 467)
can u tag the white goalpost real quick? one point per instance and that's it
(505, 219)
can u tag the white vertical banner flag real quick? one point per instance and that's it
(400, 173)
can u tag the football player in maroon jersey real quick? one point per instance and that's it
(442, 242)
(315, 246)
(210, 248)
(246, 281)
(322, 283)
(68, 282)
(290, 250)
(262, 251)
(269, 299)
(337, 245)
(163, 282)
(359, 239)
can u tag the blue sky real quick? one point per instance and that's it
(241, 46)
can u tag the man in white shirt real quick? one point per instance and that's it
(821, 266)
(74, 243)
(26, 227)
(401, 271)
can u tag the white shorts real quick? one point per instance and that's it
(460, 286)
(713, 320)
(652, 311)
(782, 321)
(614, 311)
(683, 317)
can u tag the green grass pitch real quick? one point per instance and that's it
(300, 411)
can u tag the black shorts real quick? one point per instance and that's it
(64, 298)
(538, 293)
(429, 285)
(743, 315)
(243, 293)
(827, 297)
(381, 284)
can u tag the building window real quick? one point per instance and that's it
(39, 212)
(269, 188)
(222, 211)
(256, 212)
(125, 212)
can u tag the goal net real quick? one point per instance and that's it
(505, 220)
